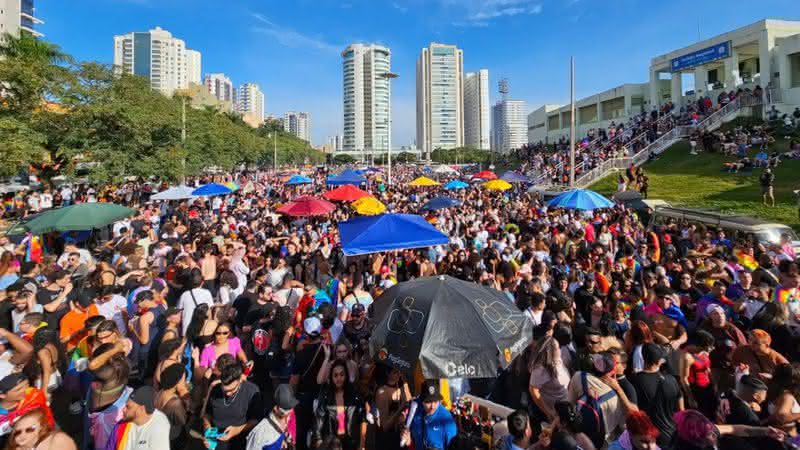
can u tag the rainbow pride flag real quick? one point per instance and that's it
(745, 259)
(33, 249)
(783, 295)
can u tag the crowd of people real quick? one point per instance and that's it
(216, 321)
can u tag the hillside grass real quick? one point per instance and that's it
(698, 182)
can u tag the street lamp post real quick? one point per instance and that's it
(274, 136)
(389, 76)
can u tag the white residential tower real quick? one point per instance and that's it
(440, 98)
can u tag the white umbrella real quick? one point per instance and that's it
(175, 193)
(444, 169)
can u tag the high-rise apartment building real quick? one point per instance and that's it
(477, 122)
(251, 100)
(440, 98)
(194, 69)
(155, 55)
(18, 15)
(298, 123)
(366, 99)
(335, 143)
(221, 87)
(509, 125)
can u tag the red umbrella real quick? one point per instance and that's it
(485, 175)
(307, 206)
(346, 193)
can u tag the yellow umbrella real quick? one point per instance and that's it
(424, 181)
(369, 206)
(497, 185)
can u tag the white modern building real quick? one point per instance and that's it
(440, 98)
(194, 67)
(18, 15)
(765, 53)
(250, 100)
(366, 99)
(335, 143)
(155, 55)
(221, 87)
(477, 122)
(298, 123)
(549, 123)
(509, 125)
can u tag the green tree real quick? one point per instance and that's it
(344, 159)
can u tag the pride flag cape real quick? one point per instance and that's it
(745, 260)
(783, 295)
(119, 437)
(33, 248)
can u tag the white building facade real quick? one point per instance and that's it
(509, 125)
(19, 15)
(221, 87)
(477, 121)
(194, 67)
(366, 100)
(250, 100)
(155, 55)
(298, 123)
(765, 53)
(440, 98)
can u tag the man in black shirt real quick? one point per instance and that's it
(307, 362)
(247, 299)
(234, 407)
(53, 297)
(744, 408)
(659, 395)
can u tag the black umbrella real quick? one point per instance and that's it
(452, 328)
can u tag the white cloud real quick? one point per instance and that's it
(479, 12)
(399, 7)
(292, 38)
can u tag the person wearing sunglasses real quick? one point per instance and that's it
(223, 343)
(34, 431)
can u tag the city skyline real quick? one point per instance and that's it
(293, 50)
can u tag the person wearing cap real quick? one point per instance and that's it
(657, 393)
(760, 359)
(272, 432)
(73, 324)
(727, 337)
(308, 360)
(143, 427)
(432, 426)
(173, 399)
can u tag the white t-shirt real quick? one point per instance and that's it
(187, 304)
(17, 316)
(153, 435)
(112, 310)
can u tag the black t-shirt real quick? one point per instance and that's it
(628, 388)
(658, 396)
(245, 405)
(741, 413)
(242, 306)
(45, 297)
(307, 363)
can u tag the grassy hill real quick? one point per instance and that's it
(698, 182)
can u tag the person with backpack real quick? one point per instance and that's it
(599, 399)
(658, 394)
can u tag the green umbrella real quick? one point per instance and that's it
(83, 216)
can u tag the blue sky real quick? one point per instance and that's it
(292, 47)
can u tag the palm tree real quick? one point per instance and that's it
(29, 48)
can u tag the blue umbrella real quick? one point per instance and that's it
(212, 189)
(440, 203)
(298, 179)
(515, 177)
(455, 184)
(347, 177)
(580, 199)
(372, 234)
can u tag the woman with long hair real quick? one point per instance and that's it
(341, 351)
(570, 422)
(638, 335)
(34, 431)
(695, 373)
(223, 343)
(340, 411)
(549, 378)
(782, 395)
(50, 361)
(391, 399)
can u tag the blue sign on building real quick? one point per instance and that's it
(708, 54)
